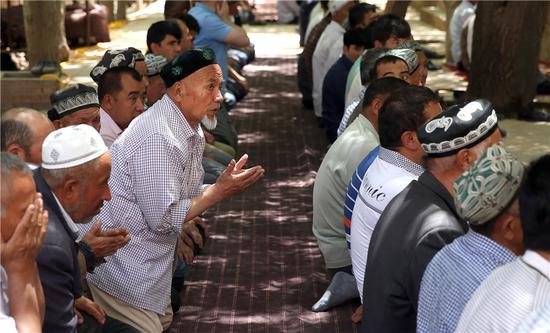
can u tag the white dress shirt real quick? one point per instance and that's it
(460, 15)
(388, 175)
(508, 295)
(7, 323)
(109, 130)
(327, 52)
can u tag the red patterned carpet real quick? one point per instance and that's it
(261, 271)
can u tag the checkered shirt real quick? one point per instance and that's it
(156, 172)
(452, 277)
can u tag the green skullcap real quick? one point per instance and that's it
(186, 64)
(488, 187)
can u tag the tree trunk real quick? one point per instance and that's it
(45, 31)
(450, 7)
(398, 8)
(110, 4)
(506, 45)
(121, 9)
(545, 45)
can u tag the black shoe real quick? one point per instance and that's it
(432, 54)
(536, 114)
(432, 67)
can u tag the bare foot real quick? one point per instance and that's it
(357, 315)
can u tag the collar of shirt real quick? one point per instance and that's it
(347, 63)
(202, 6)
(485, 246)
(333, 25)
(537, 262)
(400, 161)
(108, 122)
(177, 120)
(67, 217)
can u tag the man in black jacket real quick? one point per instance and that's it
(76, 166)
(422, 219)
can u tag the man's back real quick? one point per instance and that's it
(212, 34)
(414, 226)
(58, 267)
(330, 188)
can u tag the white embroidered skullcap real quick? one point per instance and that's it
(71, 146)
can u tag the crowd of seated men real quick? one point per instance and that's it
(418, 210)
(103, 194)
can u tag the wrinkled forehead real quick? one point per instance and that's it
(207, 73)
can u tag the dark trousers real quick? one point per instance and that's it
(111, 325)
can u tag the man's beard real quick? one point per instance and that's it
(209, 123)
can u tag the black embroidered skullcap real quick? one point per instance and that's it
(116, 58)
(72, 99)
(186, 64)
(458, 127)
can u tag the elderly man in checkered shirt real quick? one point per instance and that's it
(157, 191)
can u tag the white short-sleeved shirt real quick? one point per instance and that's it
(389, 174)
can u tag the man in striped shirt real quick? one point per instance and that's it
(486, 196)
(514, 290)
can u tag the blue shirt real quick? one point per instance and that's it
(334, 95)
(452, 277)
(213, 33)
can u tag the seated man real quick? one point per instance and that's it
(335, 81)
(79, 105)
(328, 50)
(73, 181)
(163, 38)
(422, 218)
(388, 31)
(399, 161)
(159, 190)
(329, 193)
(23, 131)
(398, 63)
(486, 197)
(189, 28)
(121, 96)
(156, 88)
(23, 225)
(75, 105)
(522, 286)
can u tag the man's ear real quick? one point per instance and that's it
(179, 88)
(155, 48)
(57, 124)
(465, 158)
(409, 140)
(17, 150)
(377, 105)
(71, 189)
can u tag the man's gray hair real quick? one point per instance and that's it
(56, 177)
(10, 163)
(17, 131)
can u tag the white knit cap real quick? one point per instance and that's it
(335, 5)
(71, 146)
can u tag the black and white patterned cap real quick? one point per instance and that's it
(116, 58)
(458, 127)
(72, 99)
(407, 55)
